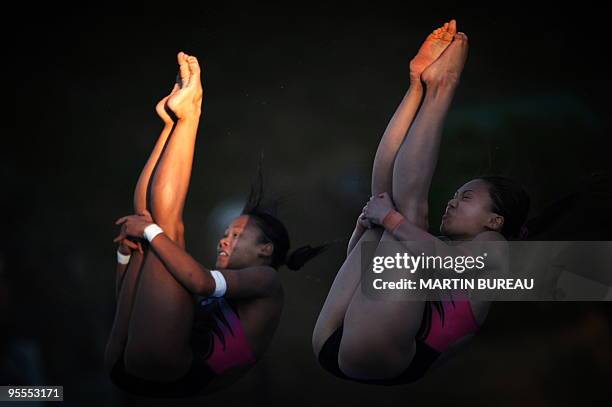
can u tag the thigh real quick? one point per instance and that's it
(162, 318)
(341, 292)
(385, 327)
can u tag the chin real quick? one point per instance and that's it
(221, 263)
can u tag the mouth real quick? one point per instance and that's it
(222, 253)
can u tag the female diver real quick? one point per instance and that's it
(394, 342)
(180, 328)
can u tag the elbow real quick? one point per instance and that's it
(205, 285)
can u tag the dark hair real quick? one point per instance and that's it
(273, 230)
(511, 201)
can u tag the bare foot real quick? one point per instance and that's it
(448, 67)
(187, 100)
(162, 109)
(432, 48)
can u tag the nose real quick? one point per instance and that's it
(223, 243)
(452, 203)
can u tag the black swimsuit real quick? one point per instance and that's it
(424, 357)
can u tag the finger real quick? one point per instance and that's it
(119, 238)
(148, 215)
(140, 248)
(130, 244)
(121, 220)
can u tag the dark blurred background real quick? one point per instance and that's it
(313, 88)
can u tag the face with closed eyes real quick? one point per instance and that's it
(469, 212)
(240, 246)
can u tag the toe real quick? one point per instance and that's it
(183, 68)
(452, 27)
(193, 63)
(194, 69)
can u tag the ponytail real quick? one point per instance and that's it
(297, 258)
(272, 230)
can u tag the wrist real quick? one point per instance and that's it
(123, 258)
(123, 250)
(393, 219)
(151, 232)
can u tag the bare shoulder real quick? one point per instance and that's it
(251, 282)
(271, 275)
(261, 272)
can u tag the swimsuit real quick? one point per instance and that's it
(219, 344)
(436, 334)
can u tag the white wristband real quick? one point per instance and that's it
(123, 258)
(151, 231)
(220, 284)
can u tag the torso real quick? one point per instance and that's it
(260, 318)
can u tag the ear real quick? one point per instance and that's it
(495, 222)
(266, 249)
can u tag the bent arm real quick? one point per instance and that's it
(197, 279)
(418, 240)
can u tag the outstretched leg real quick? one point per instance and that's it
(127, 287)
(348, 277)
(162, 316)
(378, 339)
(418, 155)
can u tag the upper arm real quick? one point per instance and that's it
(262, 281)
(496, 247)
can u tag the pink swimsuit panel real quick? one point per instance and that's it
(234, 349)
(458, 322)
